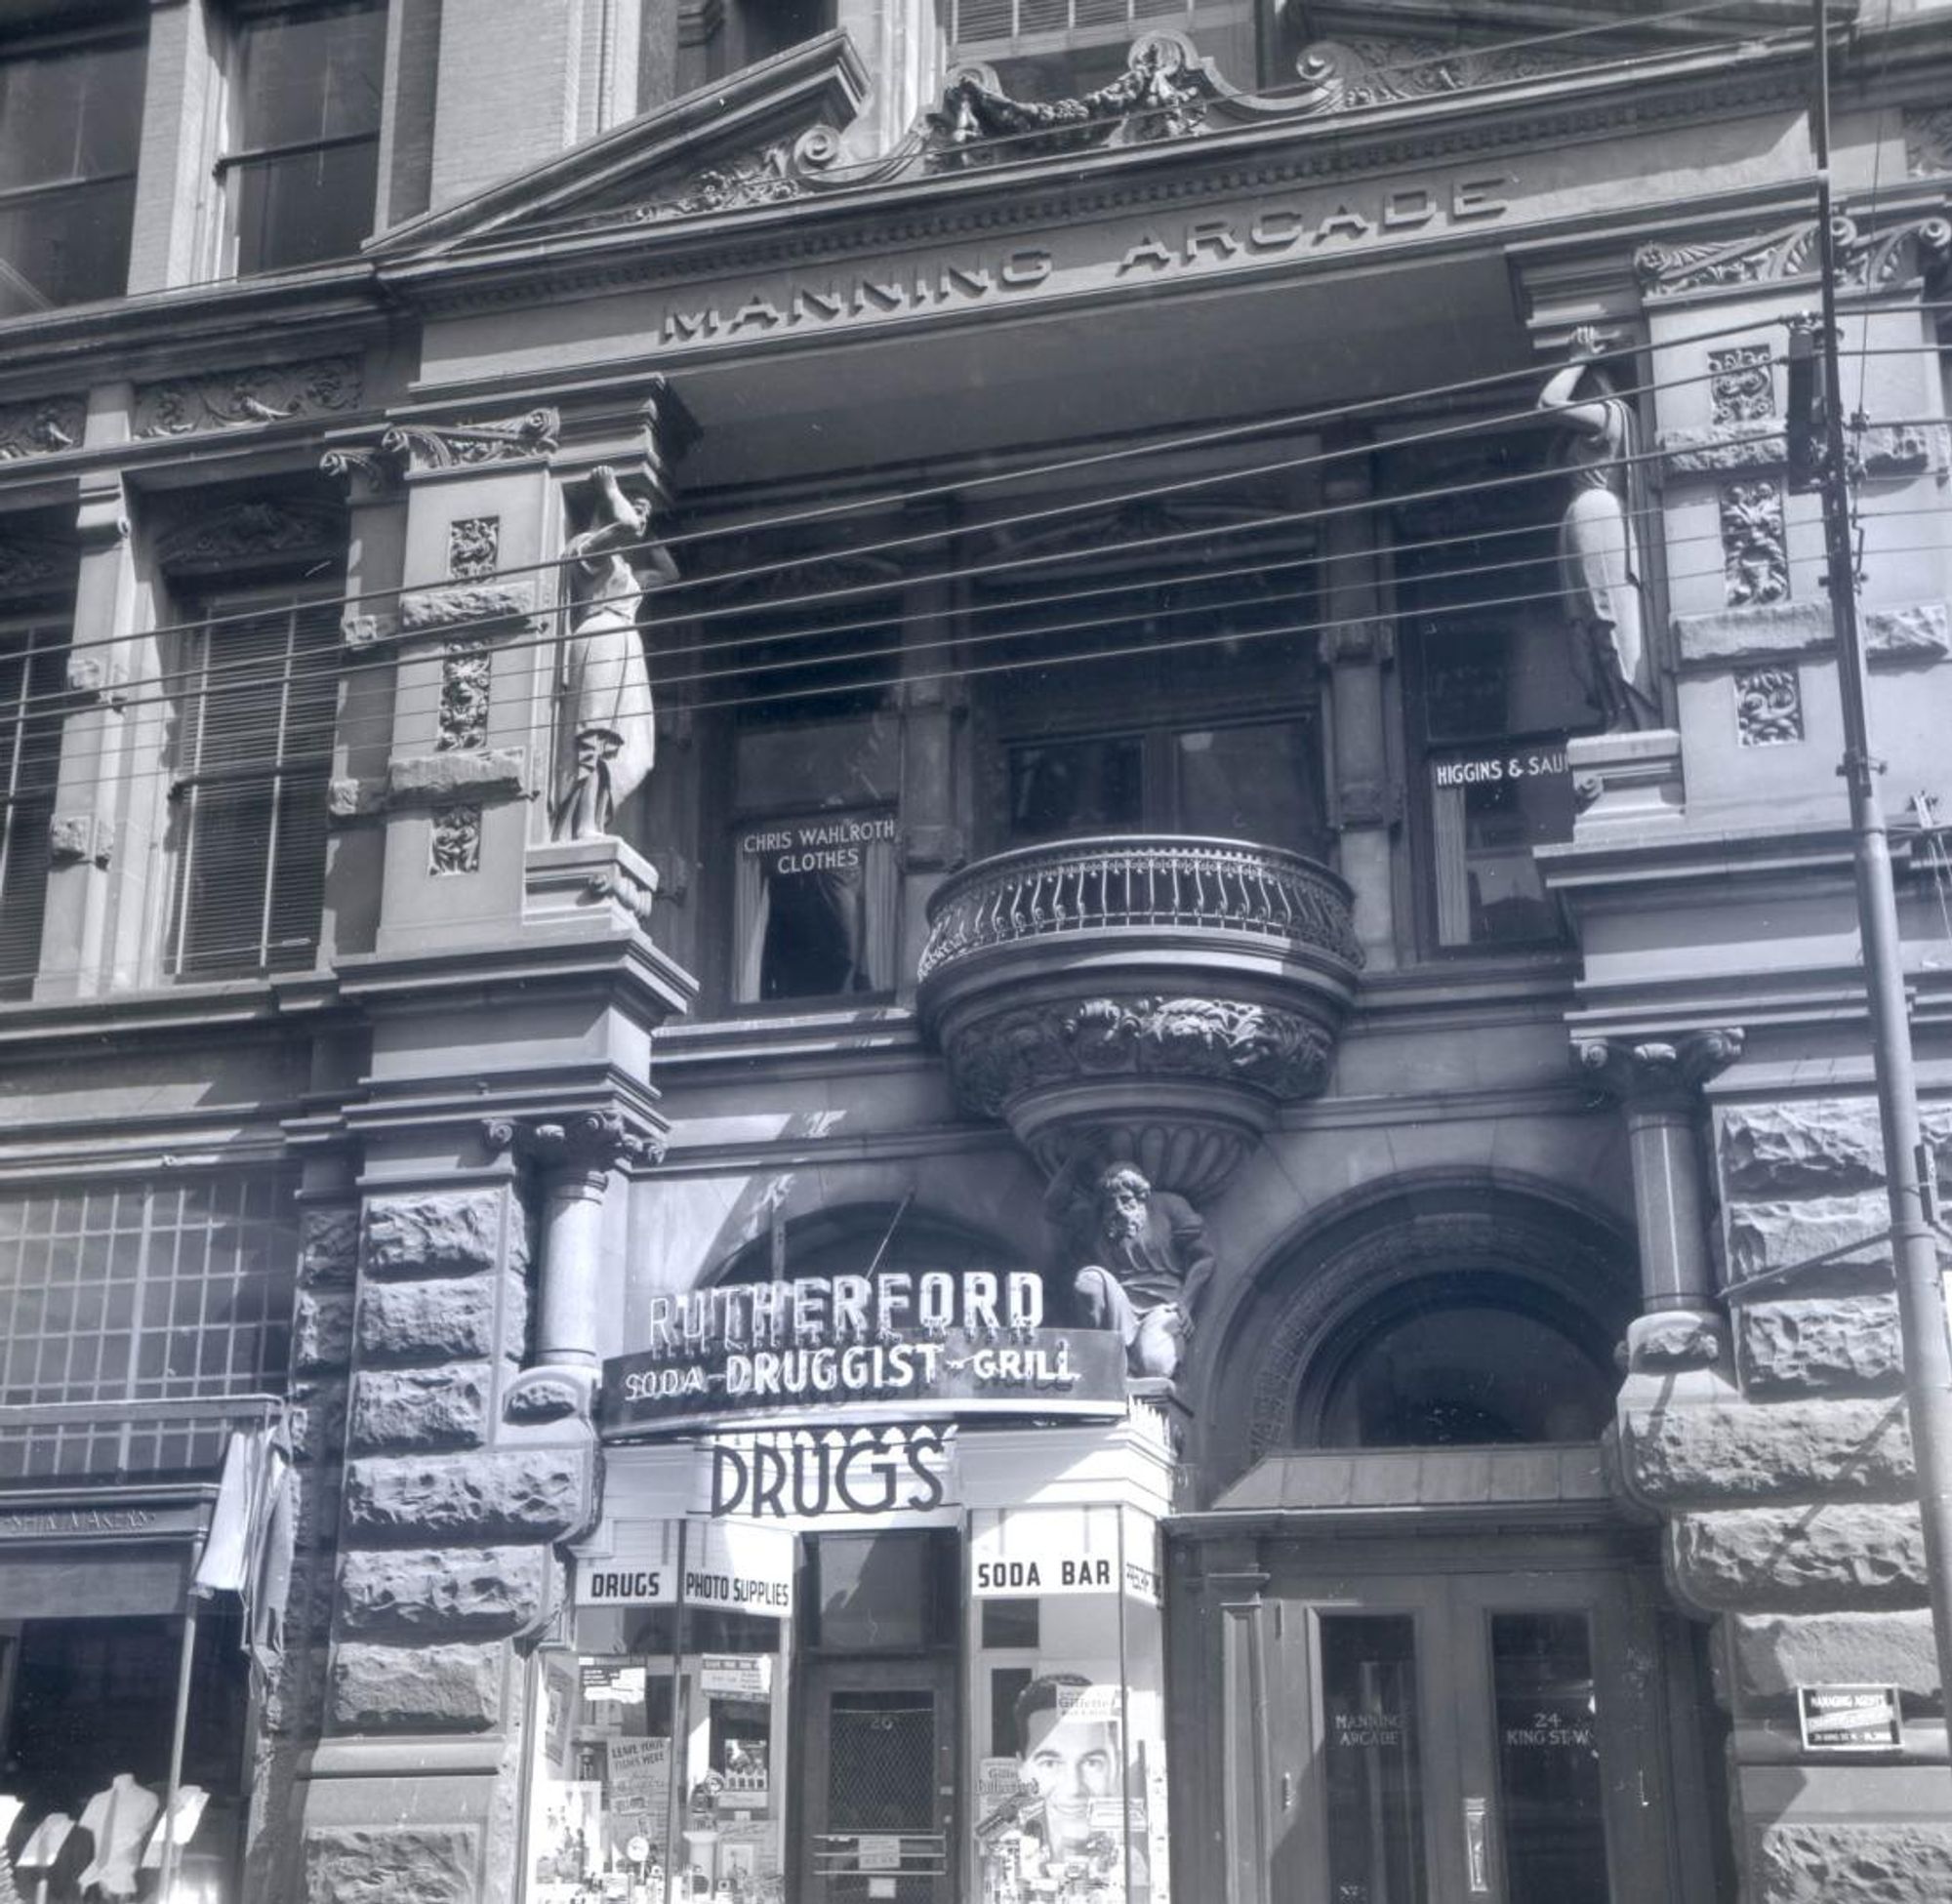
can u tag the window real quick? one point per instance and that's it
(1498, 704)
(1053, 48)
(815, 781)
(33, 661)
(139, 1292)
(70, 122)
(254, 753)
(303, 177)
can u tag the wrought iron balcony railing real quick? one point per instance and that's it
(1081, 886)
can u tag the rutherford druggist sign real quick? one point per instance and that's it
(934, 1344)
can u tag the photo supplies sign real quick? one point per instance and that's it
(1850, 1718)
(734, 1566)
(929, 1344)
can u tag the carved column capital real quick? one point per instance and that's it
(1655, 1071)
(578, 1152)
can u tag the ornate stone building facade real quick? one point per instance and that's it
(943, 908)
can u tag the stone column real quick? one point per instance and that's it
(82, 835)
(1365, 797)
(1657, 1083)
(576, 1161)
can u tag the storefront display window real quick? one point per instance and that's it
(653, 1762)
(1068, 1735)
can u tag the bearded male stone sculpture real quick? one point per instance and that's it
(1145, 1262)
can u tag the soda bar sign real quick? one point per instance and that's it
(896, 1344)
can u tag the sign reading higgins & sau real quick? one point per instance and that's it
(933, 1344)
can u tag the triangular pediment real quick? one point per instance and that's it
(740, 139)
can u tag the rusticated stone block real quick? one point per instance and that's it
(1852, 1864)
(420, 1408)
(322, 1329)
(441, 1590)
(317, 1417)
(380, 1688)
(329, 1246)
(1773, 1235)
(1785, 1449)
(1776, 1150)
(1832, 1345)
(427, 1321)
(507, 1494)
(438, 1232)
(1774, 1653)
(1814, 1558)
(431, 1864)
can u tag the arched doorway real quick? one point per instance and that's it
(1449, 1670)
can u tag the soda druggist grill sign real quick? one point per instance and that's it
(930, 1344)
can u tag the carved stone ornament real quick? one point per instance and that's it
(997, 1060)
(464, 696)
(635, 895)
(454, 842)
(465, 445)
(592, 1142)
(1769, 706)
(44, 426)
(31, 567)
(1866, 261)
(1350, 75)
(538, 1395)
(771, 175)
(473, 546)
(1163, 93)
(76, 836)
(430, 611)
(1633, 1070)
(1741, 389)
(368, 471)
(1755, 553)
(262, 393)
(1927, 140)
(246, 532)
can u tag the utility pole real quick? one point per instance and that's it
(1908, 1170)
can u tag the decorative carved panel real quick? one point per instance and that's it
(473, 546)
(32, 567)
(1755, 553)
(1927, 140)
(1348, 75)
(1769, 706)
(40, 426)
(453, 844)
(464, 696)
(1879, 260)
(1741, 386)
(262, 393)
(250, 532)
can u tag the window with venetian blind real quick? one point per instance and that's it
(1050, 49)
(33, 668)
(256, 695)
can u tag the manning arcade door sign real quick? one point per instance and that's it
(1850, 1718)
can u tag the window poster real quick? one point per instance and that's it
(1064, 1834)
(815, 904)
(567, 1839)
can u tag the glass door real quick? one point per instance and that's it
(877, 1781)
(1475, 1739)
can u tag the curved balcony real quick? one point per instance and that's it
(1157, 999)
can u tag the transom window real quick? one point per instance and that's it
(71, 123)
(303, 177)
(259, 688)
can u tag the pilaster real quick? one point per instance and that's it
(176, 191)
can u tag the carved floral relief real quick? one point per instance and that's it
(1755, 554)
(1769, 706)
(262, 393)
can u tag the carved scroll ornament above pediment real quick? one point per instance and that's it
(1348, 75)
(259, 393)
(248, 532)
(462, 445)
(1916, 249)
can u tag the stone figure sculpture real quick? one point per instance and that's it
(1599, 562)
(606, 735)
(1145, 1262)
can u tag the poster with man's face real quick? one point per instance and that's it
(1060, 1837)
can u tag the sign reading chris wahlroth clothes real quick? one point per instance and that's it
(937, 1342)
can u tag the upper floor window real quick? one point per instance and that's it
(33, 656)
(71, 123)
(305, 169)
(258, 690)
(1058, 48)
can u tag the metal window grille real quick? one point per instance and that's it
(32, 674)
(255, 753)
(146, 1294)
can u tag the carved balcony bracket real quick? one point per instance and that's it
(1156, 999)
